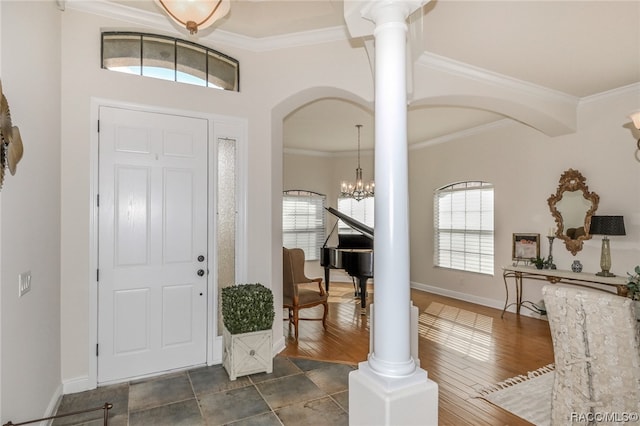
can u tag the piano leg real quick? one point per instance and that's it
(327, 277)
(356, 287)
(362, 283)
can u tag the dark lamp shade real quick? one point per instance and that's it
(607, 225)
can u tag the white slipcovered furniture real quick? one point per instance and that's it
(596, 343)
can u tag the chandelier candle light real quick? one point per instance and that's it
(195, 15)
(358, 190)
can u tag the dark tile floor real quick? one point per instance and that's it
(298, 392)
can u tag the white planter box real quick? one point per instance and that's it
(247, 353)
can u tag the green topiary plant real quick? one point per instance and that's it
(247, 308)
(633, 284)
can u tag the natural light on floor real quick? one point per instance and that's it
(463, 331)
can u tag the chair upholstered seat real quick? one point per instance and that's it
(305, 297)
(296, 296)
(596, 343)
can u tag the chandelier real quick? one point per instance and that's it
(357, 190)
(195, 15)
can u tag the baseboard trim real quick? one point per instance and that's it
(483, 301)
(54, 403)
(78, 384)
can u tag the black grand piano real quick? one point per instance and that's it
(354, 254)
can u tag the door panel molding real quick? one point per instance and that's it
(219, 126)
(153, 218)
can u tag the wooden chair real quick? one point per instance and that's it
(296, 297)
(596, 345)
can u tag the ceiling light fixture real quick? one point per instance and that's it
(357, 190)
(635, 117)
(195, 15)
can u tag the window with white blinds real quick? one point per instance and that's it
(463, 227)
(303, 221)
(362, 211)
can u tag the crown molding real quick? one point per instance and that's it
(331, 154)
(453, 67)
(306, 152)
(620, 91)
(283, 41)
(121, 12)
(158, 21)
(499, 124)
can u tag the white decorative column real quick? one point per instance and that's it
(389, 388)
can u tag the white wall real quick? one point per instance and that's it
(525, 166)
(30, 219)
(267, 80)
(82, 81)
(47, 205)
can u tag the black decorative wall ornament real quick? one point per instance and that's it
(11, 150)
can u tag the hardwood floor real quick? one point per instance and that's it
(462, 346)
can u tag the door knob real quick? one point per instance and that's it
(200, 272)
(201, 258)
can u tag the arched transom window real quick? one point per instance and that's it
(169, 58)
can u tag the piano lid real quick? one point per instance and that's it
(354, 224)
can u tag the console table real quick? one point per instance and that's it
(554, 276)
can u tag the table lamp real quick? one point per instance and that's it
(606, 225)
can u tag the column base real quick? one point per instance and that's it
(379, 400)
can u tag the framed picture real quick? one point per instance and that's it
(525, 246)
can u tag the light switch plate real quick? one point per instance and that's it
(24, 283)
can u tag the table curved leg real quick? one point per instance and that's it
(518, 279)
(506, 290)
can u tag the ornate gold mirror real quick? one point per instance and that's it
(572, 207)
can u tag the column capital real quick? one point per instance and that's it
(362, 16)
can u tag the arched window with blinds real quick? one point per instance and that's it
(303, 221)
(463, 227)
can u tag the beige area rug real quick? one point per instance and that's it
(527, 396)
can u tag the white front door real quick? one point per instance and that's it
(152, 243)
